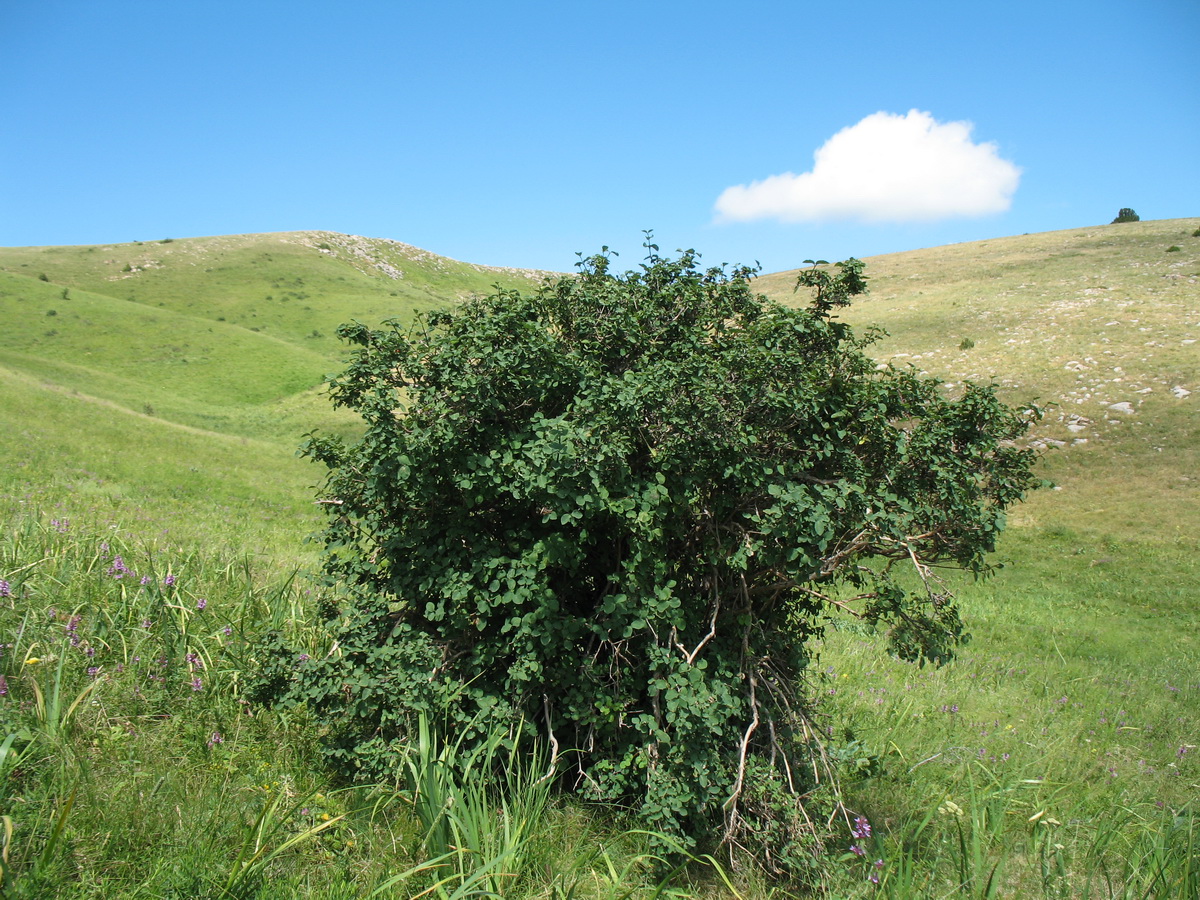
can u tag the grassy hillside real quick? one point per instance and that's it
(151, 399)
(1077, 321)
(150, 364)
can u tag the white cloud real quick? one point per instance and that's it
(887, 168)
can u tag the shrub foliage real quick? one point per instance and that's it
(618, 510)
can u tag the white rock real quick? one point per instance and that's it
(1123, 407)
(1180, 392)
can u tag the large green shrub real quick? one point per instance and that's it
(617, 512)
(1125, 214)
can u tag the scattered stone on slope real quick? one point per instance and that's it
(1078, 423)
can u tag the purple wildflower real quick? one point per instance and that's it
(5, 588)
(146, 623)
(857, 850)
(169, 581)
(215, 739)
(201, 603)
(3, 686)
(145, 579)
(93, 671)
(228, 629)
(118, 569)
(197, 684)
(862, 828)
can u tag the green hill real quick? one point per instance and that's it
(145, 364)
(231, 337)
(1099, 325)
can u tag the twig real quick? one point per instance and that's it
(922, 762)
(750, 729)
(712, 631)
(553, 741)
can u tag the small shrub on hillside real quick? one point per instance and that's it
(1196, 233)
(966, 344)
(1174, 248)
(616, 513)
(43, 277)
(1126, 215)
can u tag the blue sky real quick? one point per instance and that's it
(521, 133)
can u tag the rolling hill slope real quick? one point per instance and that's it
(1099, 325)
(212, 339)
(148, 365)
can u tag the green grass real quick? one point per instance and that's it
(1056, 757)
(175, 380)
(286, 285)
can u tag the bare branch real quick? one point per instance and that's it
(731, 805)
(553, 741)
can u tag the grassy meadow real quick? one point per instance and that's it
(153, 517)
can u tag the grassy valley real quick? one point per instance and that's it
(152, 396)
